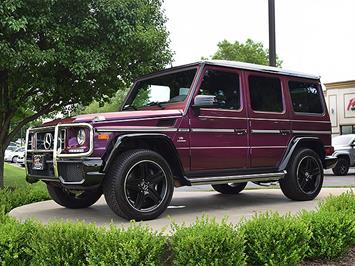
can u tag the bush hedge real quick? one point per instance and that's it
(268, 238)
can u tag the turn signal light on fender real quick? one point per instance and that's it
(103, 136)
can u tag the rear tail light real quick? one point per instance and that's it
(329, 150)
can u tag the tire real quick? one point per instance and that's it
(72, 201)
(139, 185)
(229, 188)
(14, 159)
(342, 166)
(304, 177)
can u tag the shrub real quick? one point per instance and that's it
(11, 198)
(207, 243)
(273, 239)
(332, 233)
(63, 243)
(344, 202)
(15, 241)
(137, 245)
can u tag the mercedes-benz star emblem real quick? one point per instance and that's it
(48, 139)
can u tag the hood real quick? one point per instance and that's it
(114, 116)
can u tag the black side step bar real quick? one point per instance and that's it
(237, 178)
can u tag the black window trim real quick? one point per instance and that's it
(322, 100)
(284, 107)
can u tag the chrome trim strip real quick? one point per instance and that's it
(213, 130)
(222, 117)
(268, 147)
(265, 131)
(71, 183)
(138, 129)
(184, 130)
(311, 132)
(32, 151)
(237, 178)
(226, 147)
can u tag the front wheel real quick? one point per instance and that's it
(71, 199)
(139, 185)
(304, 177)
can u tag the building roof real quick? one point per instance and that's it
(340, 84)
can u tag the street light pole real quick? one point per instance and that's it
(272, 38)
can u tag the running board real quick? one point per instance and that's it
(237, 178)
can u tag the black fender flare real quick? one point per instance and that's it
(178, 168)
(292, 147)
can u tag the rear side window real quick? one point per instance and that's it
(305, 97)
(265, 94)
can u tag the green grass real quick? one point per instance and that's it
(15, 177)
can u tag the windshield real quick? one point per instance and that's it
(161, 91)
(343, 140)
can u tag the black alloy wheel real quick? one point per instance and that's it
(308, 175)
(145, 186)
(342, 166)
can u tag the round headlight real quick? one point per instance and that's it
(81, 137)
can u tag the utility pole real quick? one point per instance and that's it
(272, 37)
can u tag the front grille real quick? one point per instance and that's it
(44, 140)
(71, 171)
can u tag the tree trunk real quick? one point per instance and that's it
(2, 155)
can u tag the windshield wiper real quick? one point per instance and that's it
(155, 104)
(128, 106)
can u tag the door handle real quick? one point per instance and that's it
(240, 131)
(285, 132)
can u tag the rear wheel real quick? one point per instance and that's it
(304, 177)
(14, 159)
(139, 185)
(342, 166)
(71, 199)
(232, 188)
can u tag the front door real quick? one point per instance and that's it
(269, 124)
(218, 134)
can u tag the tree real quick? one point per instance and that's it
(64, 53)
(249, 52)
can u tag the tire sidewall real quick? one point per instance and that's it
(121, 174)
(337, 168)
(291, 179)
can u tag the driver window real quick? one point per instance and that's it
(224, 86)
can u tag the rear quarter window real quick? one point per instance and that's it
(306, 97)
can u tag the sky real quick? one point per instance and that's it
(316, 37)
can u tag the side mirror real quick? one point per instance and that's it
(204, 101)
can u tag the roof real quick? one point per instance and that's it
(238, 65)
(262, 68)
(340, 84)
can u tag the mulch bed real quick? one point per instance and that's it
(346, 260)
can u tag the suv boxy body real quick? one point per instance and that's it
(213, 122)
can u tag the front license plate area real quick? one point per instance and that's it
(38, 162)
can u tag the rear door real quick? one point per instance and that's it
(269, 124)
(218, 135)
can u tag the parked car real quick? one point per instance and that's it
(344, 150)
(13, 153)
(213, 122)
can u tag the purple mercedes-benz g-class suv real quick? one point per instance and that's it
(212, 122)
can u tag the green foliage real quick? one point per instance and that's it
(63, 244)
(112, 105)
(332, 226)
(58, 54)
(13, 197)
(207, 243)
(15, 241)
(137, 245)
(249, 52)
(272, 239)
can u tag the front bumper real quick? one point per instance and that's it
(330, 162)
(72, 173)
